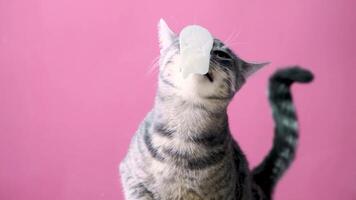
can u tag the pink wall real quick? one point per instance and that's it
(74, 84)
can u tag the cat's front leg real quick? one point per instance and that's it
(133, 188)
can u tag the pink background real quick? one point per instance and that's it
(75, 83)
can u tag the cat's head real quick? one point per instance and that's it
(227, 72)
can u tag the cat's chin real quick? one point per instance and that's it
(198, 83)
(196, 87)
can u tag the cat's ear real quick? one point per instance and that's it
(165, 34)
(249, 68)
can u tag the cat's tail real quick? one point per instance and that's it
(282, 153)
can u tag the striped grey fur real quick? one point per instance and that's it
(183, 149)
(282, 153)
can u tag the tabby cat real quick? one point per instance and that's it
(183, 149)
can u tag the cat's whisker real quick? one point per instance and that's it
(234, 37)
(233, 40)
(153, 66)
(228, 78)
(225, 76)
(237, 43)
(230, 36)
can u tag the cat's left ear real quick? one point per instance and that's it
(165, 34)
(249, 68)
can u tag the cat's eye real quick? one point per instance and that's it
(221, 54)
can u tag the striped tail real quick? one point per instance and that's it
(282, 153)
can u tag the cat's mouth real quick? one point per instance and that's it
(209, 76)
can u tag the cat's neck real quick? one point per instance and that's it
(188, 118)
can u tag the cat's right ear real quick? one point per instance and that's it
(165, 34)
